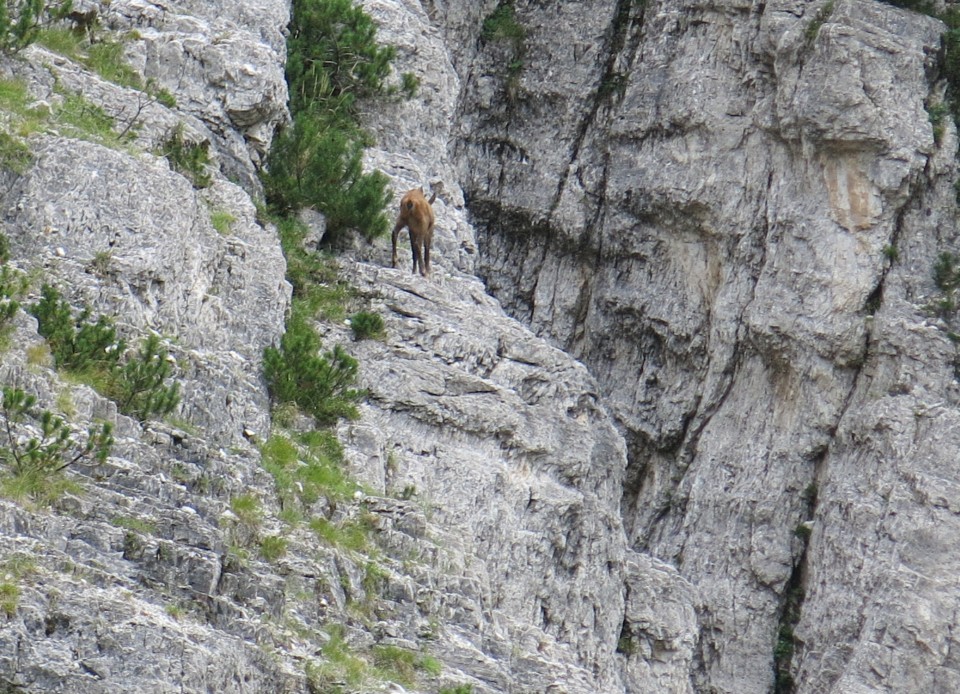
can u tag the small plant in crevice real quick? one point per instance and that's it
(937, 114)
(409, 84)
(502, 27)
(317, 289)
(786, 642)
(367, 326)
(9, 598)
(188, 158)
(78, 117)
(273, 548)
(136, 524)
(305, 468)
(946, 278)
(39, 445)
(222, 221)
(502, 24)
(923, 6)
(15, 154)
(246, 508)
(458, 689)
(14, 569)
(613, 85)
(352, 534)
(626, 645)
(339, 666)
(106, 58)
(950, 15)
(99, 264)
(812, 30)
(402, 666)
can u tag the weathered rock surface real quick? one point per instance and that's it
(493, 474)
(703, 203)
(728, 212)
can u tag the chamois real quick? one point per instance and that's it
(417, 215)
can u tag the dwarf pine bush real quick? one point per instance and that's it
(21, 21)
(78, 343)
(318, 162)
(138, 382)
(13, 285)
(333, 60)
(319, 384)
(366, 325)
(140, 387)
(34, 463)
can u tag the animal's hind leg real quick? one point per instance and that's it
(417, 258)
(426, 259)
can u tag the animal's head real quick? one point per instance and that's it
(411, 198)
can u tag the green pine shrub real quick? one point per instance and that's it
(333, 57)
(140, 387)
(333, 60)
(33, 465)
(21, 21)
(78, 343)
(13, 285)
(319, 384)
(318, 163)
(409, 84)
(367, 325)
(92, 351)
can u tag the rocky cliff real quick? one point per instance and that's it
(693, 431)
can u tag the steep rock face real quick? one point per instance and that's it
(626, 620)
(701, 202)
(501, 438)
(493, 474)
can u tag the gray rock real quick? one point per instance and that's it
(728, 213)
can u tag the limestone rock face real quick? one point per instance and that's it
(730, 213)
(133, 240)
(711, 448)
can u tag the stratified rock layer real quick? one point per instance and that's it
(730, 213)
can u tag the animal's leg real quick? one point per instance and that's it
(417, 259)
(426, 259)
(396, 232)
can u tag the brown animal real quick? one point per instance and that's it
(417, 215)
